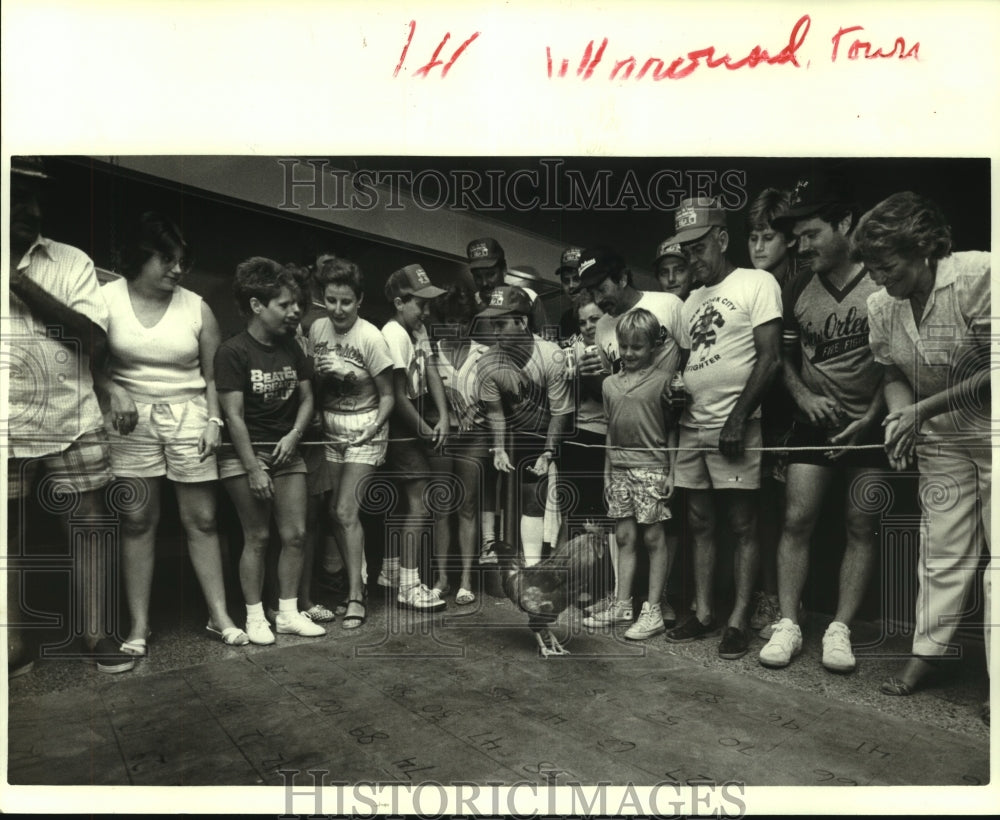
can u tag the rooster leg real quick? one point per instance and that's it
(553, 648)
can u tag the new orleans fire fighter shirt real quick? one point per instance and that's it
(830, 327)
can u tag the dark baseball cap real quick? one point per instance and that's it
(507, 299)
(668, 247)
(597, 264)
(569, 261)
(484, 253)
(811, 195)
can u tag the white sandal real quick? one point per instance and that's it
(231, 635)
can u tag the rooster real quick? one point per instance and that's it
(547, 588)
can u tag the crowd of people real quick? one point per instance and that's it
(731, 396)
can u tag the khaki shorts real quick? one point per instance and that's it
(84, 466)
(708, 469)
(164, 442)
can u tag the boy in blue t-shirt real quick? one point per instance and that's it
(638, 470)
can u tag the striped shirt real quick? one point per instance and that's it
(51, 400)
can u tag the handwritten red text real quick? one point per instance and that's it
(434, 62)
(860, 48)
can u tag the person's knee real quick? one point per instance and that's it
(345, 513)
(653, 537)
(256, 539)
(199, 522)
(139, 523)
(293, 537)
(861, 531)
(700, 520)
(743, 520)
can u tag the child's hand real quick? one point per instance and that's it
(668, 487)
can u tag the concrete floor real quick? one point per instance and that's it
(464, 696)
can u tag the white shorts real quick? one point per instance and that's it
(340, 426)
(164, 442)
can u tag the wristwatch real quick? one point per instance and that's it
(218, 421)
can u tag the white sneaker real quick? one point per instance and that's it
(420, 597)
(259, 631)
(648, 624)
(785, 643)
(768, 629)
(600, 606)
(295, 623)
(620, 612)
(837, 654)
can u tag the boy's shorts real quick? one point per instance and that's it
(85, 466)
(339, 426)
(164, 442)
(637, 492)
(408, 455)
(708, 469)
(230, 465)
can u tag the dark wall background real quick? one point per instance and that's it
(92, 204)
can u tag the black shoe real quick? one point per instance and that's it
(692, 630)
(734, 644)
(110, 659)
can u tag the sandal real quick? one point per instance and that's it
(896, 687)
(319, 614)
(136, 647)
(354, 621)
(231, 635)
(464, 597)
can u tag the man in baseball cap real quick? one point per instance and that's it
(732, 328)
(526, 394)
(671, 269)
(488, 266)
(834, 382)
(568, 273)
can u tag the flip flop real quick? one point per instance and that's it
(136, 647)
(354, 621)
(464, 597)
(231, 635)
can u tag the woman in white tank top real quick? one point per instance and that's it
(163, 420)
